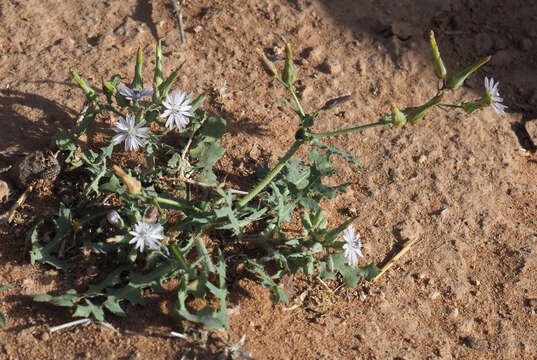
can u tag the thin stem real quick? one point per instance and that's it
(271, 175)
(185, 150)
(202, 184)
(293, 94)
(348, 130)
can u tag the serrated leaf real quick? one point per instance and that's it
(67, 300)
(89, 309)
(213, 127)
(113, 185)
(369, 271)
(112, 304)
(65, 143)
(333, 150)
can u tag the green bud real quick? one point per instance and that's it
(473, 106)
(137, 80)
(399, 118)
(457, 79)
(158, 77)
(439, 67)
(289, 72)
(415, 114)
(91, 95)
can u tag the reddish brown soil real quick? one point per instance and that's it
(464, 291)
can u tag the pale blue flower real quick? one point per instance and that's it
(137, 94)
(131, 133)
(353, 246)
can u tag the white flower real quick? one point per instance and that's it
(177, 110)
(147, 234)
(494, 96)
(353, 246)
(130, 132)
(135, 94)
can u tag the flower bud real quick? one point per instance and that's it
(289, 72)
(270, 67)
(399, 118)
(336, 102)
(439, 67)
(456, 80)
(133, 186)
(417, 113)
(151, 215)
(113, 217)
(472, 106)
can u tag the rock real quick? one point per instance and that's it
(329, 67)
(532, 303)
(526, 44)
(35, 165)
(476, 344)
(4, 191)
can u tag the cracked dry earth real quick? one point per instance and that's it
(462, 184)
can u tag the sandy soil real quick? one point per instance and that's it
(461, 183)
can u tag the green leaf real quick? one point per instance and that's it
(112, 304)
(164, 88)
(113, 185)
(214, 127)
(333, 150)
(67, 300)
(369, 271)
(65, 143)
(86, 311)
(207, 154)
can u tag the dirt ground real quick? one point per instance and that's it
(463, 184)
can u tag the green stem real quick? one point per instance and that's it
(295, 98)
(271, 175)
(348, 130)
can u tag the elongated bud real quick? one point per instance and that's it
(151, 215)
(335, 102)
(133, 186)
(289, 72)
(457, 79)
(472, 106)
(113, 217)
(399, 118)
(439, 67)
(269, 65)
(413, 115)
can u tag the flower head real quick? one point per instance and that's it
(147, 234)
(130, 132)
(177, 110)
(136, 94)
(353, 247)
(493, 96)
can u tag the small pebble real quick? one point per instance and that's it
(476, 344)
(4, 191)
